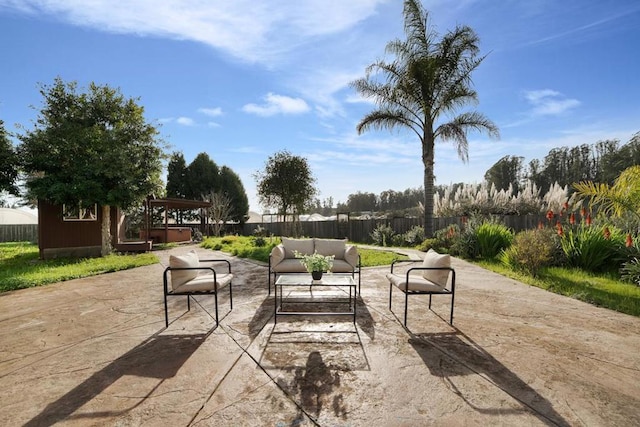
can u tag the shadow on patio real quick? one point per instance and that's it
(457, 355)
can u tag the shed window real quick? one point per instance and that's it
(78, 213)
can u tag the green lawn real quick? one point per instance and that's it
(20, 266)
(604, 290)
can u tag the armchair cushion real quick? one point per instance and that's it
(277, 255)
(304, 246)
(416, 283)
(180, 277)
(434, 259)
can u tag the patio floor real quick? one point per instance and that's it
(95, 351)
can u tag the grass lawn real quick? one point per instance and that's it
(603, 290)
(20, 266)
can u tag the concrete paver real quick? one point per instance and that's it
(95, 351)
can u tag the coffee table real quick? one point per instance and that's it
(299, 289)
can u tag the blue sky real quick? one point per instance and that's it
(243, 79)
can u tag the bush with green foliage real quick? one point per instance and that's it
(445, 238)
(382, 235)
(530, 251)
(630, 271)
(491, 238)
(414, 236)
(592, 248)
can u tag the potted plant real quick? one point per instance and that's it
(315, 263)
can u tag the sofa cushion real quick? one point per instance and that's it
(180, 277)
(289, 265)
(329, 247)
(277, 255)
(204, 282)
(304, 246)
(434, 259)
(341, 266)
(351, 256)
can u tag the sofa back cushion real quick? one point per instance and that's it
(434, 259)
(180, 277)
(329, 247)
(304, 246)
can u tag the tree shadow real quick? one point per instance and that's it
(159, 356)
(314, 384)
(456, 355)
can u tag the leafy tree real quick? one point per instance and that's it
(8, 163)
(231, 186)
(92, 147)
(360, 201)
(286, 183)
(506, 172)
(428, 80)
(177, 176)
(203, 176)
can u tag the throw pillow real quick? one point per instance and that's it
(434, 259)
(180, 277)
(328, 247)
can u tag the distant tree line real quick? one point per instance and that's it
(599, 162)
(562, 167)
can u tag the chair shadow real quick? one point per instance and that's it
(159, 356)
(457, 355)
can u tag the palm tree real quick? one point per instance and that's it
(428, 79)
(623, 196)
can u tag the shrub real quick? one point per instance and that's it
(259, 241)
(427, 244)
(589, 248)
(530, 251)
(414, 236)
(630, 271)
(445, 238)
(491, 238)
(382, 235)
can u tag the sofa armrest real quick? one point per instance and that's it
(277, 255)
(351, 255)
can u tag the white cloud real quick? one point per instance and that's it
(211, 112)
(185, 121)
(252, 31)
(277, 104)
(548, 102)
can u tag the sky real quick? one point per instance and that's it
(242, 80)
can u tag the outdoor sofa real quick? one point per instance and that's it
(282, 259)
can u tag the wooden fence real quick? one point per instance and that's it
(359, 230)
(19, 233)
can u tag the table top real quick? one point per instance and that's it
(328, 279)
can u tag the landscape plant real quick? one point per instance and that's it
(492, 237)
(382, 235)
(422, 88)
(530, 251)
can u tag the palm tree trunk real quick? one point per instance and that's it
(429, 178)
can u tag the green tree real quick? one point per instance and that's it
(506, 172)
(8, 163)
(177, 176)
(91, 147)
(231, 186)
(286, 183)
(428, 80)
(203, 176)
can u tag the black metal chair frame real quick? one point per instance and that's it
(407, 292)
(214, 291)
(357, 270)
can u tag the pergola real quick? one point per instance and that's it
(173, 204)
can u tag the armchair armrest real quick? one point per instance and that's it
(277, 255)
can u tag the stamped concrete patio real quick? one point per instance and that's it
(95, 352)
